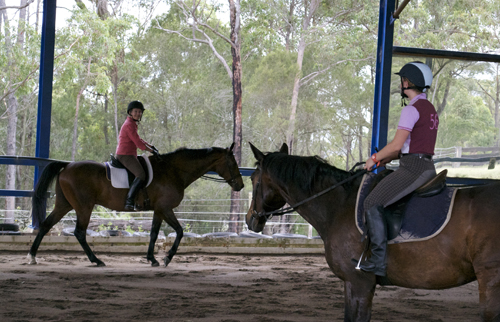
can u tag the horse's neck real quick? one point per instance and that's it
(190, 169)
(331, 211)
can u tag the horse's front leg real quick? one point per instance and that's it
(358, 296)
(155, 229)
(488, 279)
(81, 235)
(170, 218)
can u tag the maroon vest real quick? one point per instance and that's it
(424, 133)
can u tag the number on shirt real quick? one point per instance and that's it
(434, 121)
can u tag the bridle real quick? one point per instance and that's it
(231, 181)
(282, 211)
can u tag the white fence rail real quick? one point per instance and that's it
(199, 217)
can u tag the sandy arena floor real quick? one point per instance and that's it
(204, 288)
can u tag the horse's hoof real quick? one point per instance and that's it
(100, 264)
(154, 262)
(167, 261)
(31, 259)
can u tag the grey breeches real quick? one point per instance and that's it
(412, 173)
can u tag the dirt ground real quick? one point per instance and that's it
(204, 288)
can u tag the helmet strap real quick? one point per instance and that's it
(137, 121)
(403, 95)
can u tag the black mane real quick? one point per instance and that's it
(309, 173)
(191, 153)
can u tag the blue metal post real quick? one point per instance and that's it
(383, 75)
(45, 87)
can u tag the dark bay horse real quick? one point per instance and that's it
(467, 249)
(81, 185)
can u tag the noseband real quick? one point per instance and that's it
(279, 212)
(233, 178)
(231, 181)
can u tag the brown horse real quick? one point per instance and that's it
(464, 251)
(81, 185)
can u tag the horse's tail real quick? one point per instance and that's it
(48, 175)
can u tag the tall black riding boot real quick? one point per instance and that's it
(377, 231)
(134, 189)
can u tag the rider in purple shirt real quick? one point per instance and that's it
(413, 144)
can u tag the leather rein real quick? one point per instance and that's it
(282, 211)
(208, 178)
(230, 181)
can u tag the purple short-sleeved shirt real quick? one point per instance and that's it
(420, 118)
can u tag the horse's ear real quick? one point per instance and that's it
(256, 152)
(231, 147)
(284, 148)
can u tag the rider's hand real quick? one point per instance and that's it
(369, 164)
(154, 150)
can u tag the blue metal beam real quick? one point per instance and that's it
(45, 82)
(45, 87)
(16, 193)
(447, 54)
(383, 75)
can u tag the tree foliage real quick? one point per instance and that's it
(103, 61)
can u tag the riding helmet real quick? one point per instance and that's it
(418, 73)
(135, 104)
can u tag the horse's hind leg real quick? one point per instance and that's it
(81, 235)
(155, 229)
(61, 208)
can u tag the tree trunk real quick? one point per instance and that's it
(102, 8)
(12, 105)
(10, 202)
(75, 124)
(296, 84)
(77, 109)
(442, 105)
(295, 95)
(497, 106)
(360, 143)
(289, 28)
(234, 7)
(105, 127)
(114, 78)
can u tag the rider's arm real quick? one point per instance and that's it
(390, 151)
(134, 137)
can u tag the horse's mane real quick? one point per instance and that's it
(306, 172)
(191, 153)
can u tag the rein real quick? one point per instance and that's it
(280, 212)
(230, 181)
(205, 177)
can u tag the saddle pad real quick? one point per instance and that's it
(119, 176)
(423, 218)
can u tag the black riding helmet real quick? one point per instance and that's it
(418, 73)
(135, 104)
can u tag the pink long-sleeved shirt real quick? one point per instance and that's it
(129, 140)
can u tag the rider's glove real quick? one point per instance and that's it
(154, 151)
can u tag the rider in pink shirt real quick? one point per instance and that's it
(126, 152)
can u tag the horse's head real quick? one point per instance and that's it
(228, 169)
(265, 196)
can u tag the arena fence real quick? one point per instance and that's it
(197, 217)
(205, 223)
